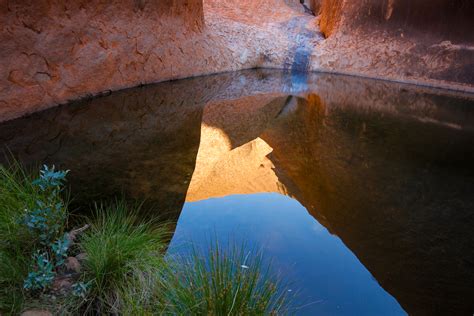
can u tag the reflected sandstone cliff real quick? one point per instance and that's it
(386, 167)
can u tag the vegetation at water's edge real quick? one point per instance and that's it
(113, 262)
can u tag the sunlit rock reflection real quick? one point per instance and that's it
(386, 167)
(232, 159)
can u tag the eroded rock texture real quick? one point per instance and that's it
(53, 51)
(419, 41)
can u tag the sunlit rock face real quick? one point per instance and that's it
(428, 42)
(54, 51)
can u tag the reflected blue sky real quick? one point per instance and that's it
(387, 167)
(328, 276)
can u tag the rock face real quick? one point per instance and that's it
(417, 41)
(52, 51)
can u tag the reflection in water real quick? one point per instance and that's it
(329, 279)
(385, 167)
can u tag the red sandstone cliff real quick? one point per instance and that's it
(53, 51)
(419, 41)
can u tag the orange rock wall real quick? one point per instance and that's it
(428, 42)
(330, 12)
(52, 51)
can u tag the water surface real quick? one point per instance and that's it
(361, 191)
(325, 275)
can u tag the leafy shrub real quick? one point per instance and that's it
(80, 289)
(43, 275)
(46, 222)
(32, 217)
(48, 218)
(60, 248)
(125, 270)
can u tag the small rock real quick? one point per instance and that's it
(81, 256)
(62, 284)
(36, 312)
(72, 264)
(74, 233)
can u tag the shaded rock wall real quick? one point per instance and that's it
(420, 41)
(448, 19)
(393, 188)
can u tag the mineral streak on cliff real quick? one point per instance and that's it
(52, 51)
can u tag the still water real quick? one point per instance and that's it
(328, 277)
(360, 191)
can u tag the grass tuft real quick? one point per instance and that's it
(120, 247)
(124, 269)
(225, 282)
(214, 282)
(17, 193)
